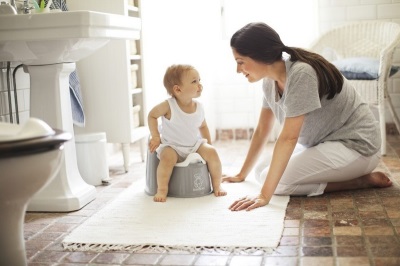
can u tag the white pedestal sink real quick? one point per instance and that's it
(49, 45)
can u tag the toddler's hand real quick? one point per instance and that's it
(154, 143)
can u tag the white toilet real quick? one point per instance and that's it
(30, 156)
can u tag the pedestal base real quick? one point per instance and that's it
(50, 101)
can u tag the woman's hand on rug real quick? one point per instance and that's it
(233, 179)
(249, 203)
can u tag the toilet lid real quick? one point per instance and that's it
(32, 146)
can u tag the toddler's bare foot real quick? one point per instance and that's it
(160, 196)
(219, 192)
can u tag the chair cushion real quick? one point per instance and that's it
(364, 68)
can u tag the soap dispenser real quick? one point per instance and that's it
(7, 9)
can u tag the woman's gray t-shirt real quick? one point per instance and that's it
(345, 117)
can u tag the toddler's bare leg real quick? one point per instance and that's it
(168, 159)
(210, 155)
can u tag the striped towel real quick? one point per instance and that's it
(78, 115)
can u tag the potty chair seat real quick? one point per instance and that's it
(189, 178)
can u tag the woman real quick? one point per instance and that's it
(330, 140)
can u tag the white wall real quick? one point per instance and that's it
(335, 12)
(180, 32)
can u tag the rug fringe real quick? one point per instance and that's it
(159, 248)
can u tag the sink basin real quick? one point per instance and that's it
(61, 37)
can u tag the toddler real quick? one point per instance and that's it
(183, 129)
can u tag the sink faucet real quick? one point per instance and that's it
(26, 8)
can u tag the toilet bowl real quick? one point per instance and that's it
(189, 179)
(30, 156)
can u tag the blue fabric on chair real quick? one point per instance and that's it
(361, 68)
(78, 115)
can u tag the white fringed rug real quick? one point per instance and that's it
(134, 222)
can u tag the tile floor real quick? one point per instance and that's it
(348, 228)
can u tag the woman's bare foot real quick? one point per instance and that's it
(161, 195)
(219, 192)
(372, 180)
(379, 180)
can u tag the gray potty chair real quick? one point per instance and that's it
(189, 178)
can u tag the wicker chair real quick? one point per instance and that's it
(369, 39)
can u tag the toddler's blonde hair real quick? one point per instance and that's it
(173, 76)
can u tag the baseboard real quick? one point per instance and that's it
(234, 134)
(391, 129)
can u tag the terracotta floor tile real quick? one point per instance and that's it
(292, 223)
(48, 257)
(385, 251)
(289, 241)
(291, 231)
(345, 222)
(340, 202)
(357, 261)
(315, 223)
(378, 231)
(377, 221)
(110, 258)
(281, 261)
(211, 260)
(387, 261)
(246, 260)
(317, 251)
(349, 240)
(317, 241)
(285, 251)
(79, 257)
(177, 260)
(317, 261)
(382, 241)
(143, 259)
(348, 251)
(347, 230)
(315, 215)
(317, 231)
(344, 214)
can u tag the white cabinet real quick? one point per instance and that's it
(112, 85)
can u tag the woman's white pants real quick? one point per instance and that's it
(310, 169)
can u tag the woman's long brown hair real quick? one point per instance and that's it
(262, 43)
